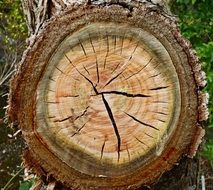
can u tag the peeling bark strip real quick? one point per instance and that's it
(105, 92)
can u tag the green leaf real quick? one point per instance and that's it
(193, 2)
(25, 185)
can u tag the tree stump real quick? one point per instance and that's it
(107, 95)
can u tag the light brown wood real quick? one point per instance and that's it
(107, 96)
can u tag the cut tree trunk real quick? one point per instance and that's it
(107, 94)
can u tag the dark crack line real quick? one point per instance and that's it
(109, 111)
(133, 51)
(51, 90)
(61, 120)
(141, 142)
(130, 41)
(139, 70)
(156, 66)
(115, 68)
(60, 70)
(82, 47)
(70, 117)
(85, 111)
(107, 37)
(77, 132)
(51, 117)
(162, 113)
(97, 67)
(92, 43)
(82, 74)
(52, 102)
(128, 152)
(97, 70)
(149, 135)
(102, 149)
(114, 78)
(72, 63)
(86, 70)
(148, 125)
(71, 96)
(105, 59)
(52, 79)
(125, 94)
(159, 88)
(161, 120)
(155, 75)
(115, 42)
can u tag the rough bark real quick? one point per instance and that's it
(39, 11)
(143, 30)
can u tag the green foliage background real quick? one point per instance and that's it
(12, 24)
(13, 34)
(196, 23)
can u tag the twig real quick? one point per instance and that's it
(9, 182)
(203, 185)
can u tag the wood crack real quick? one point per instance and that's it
(71, 96)
(60, 70)
(82, 47)
(52, 79)
(141, 142)
(161, 120)
(113, 78)
(82, 74)
(135, 119)
(97, 70)
(71, 117)
(139, 70)
(125, 94)
(109, 111)
(159, 88)
(77, 132)
(86, 70)
(102, 149)
(149, 135)
(162, 113)
(61, 120)
(85, 111)
(115, 68)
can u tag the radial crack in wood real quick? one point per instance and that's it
(109, 111)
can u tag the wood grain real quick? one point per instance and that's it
(109, 96)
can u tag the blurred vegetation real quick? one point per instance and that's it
(13, 33)
(12, 24)
(196, 23)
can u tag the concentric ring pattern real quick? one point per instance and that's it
(110, 94)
